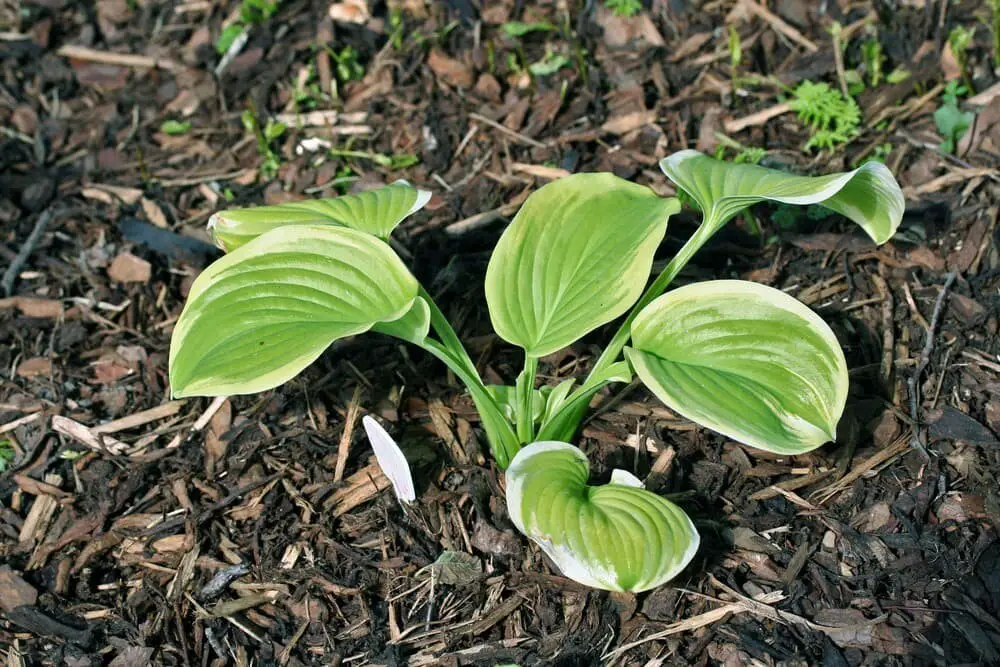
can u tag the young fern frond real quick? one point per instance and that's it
(833, 120)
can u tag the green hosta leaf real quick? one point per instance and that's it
(745, 360)
(576, 256)
(255, 318)
(868, 195)
(413, 327)
(376, 212)
(615, 537)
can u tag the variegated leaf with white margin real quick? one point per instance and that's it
(625, 478)
(743, 359)
(376, 212)
(391, 460)
(615, 537)
(258, 316)
(869, 195)
(576, 256)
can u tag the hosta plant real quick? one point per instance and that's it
(743, 359)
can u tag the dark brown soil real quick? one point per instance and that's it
(135, 530)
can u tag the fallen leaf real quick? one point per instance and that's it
(32, 307)
(690, 46)
(488, 88)
(453, 568)
(133, 656)
(127, 268)
(949, 423)
(622, 31)
(350, 11)
(25, 119)
(154, 213)
(450, 70)
(15, 591)
(949, 64)
(628, 122)
(35, 367)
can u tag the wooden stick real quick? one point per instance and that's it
(758, 118)
(778, 24)
(122, 59)
(10, 275)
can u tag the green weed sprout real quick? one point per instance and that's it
(626, 8)
(252, 12)
(745, 360)
(951, 121)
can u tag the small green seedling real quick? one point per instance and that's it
(873, 58)
(951, 121)
(6, 454)
(252, 12)
(550, 64)
(745, 360)
(175, 127)
(348, 67)
(624, 8)
(520, 29)
(265, 136)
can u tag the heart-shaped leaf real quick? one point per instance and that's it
(258, 316)
(576, 256)
(616, 537)
(869, 195)
(745, 360)
(376, 212)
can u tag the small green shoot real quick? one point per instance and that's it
(252, 12)
(898, 75)
(871, 50)
(751, 155)
(952, 123)
(175, 127)
(624, 8)
(398, 161)
(265, 135)
(735, 57)
(550, 64)
(832, 119)
(519, 29)
(398, 33)
(347, 66)
(960, 39)
(7, 454)
(229, 35)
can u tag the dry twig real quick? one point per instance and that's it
(913, 382)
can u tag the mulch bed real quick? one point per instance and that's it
(258, 530)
